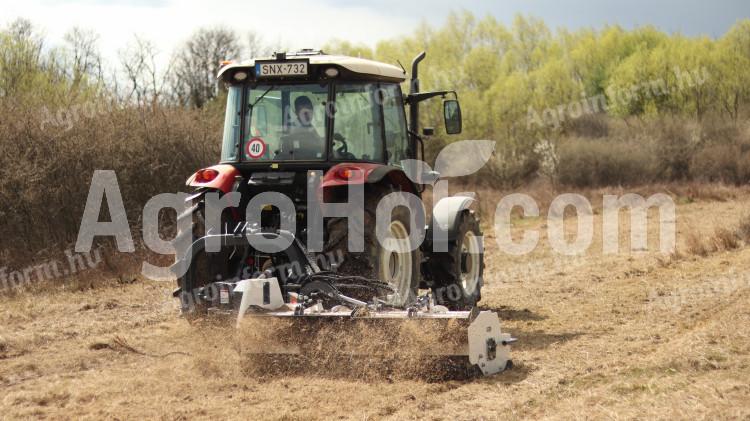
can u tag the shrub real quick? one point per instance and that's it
(715, 163)
(590, 126)
(45, 171)
(675, 145)
(725, 239)
(696, 246)
(593, 163)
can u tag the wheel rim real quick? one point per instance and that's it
(470, 261)
(396, 259)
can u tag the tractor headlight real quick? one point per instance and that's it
(240, 76)
(332, 72)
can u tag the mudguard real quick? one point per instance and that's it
(445, 215)
(395, 174)
(368, 173)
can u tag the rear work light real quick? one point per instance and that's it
(206, 175)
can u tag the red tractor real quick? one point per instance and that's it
(295, 115)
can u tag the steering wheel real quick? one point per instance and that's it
(343, 150)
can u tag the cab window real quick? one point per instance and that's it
(396, 139)
(286, 123)
(232, 124)
(357, 127)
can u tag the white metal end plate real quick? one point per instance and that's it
(484, 328)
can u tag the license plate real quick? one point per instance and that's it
(224, 296)
(293, 68)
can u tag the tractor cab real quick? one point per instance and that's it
(318, 109)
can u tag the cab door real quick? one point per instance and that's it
(394, 116)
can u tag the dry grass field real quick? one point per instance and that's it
(601, 336)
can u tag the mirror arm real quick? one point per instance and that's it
(423, 96)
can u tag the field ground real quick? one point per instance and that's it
(629, 335)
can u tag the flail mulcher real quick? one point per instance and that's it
(315, 147)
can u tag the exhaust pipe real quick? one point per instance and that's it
(414, 89)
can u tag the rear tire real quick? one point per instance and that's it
(458, 272)
(399, 268)
(203, 266)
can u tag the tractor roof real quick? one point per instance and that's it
(357, 65)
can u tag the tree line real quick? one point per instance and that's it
(553, 100)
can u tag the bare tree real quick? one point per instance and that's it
(198, 61)
(85, 56)
(145, 83)
(256, 46)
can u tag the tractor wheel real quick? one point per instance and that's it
(398, 266)
(203, 267)
(458, 272)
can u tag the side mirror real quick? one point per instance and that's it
(452, 114)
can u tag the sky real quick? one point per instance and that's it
(297, 24)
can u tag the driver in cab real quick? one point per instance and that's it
(302, 141)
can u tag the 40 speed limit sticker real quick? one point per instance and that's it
(255, 148)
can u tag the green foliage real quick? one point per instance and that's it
(523, 84)
(37, 79)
